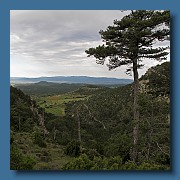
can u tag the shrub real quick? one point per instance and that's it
(39, 140)
(98, 163)
(73, 148)
(28, 163)
(16, 158)
(19, 161)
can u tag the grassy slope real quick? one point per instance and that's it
(56, 104)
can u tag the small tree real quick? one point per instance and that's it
(128, 42)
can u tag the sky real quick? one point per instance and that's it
(53, 43)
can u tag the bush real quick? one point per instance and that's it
(129, 165)
(16, 158)
(39, 140)
(80, 163)
(42, 166)
(73, 148)
(28, 163)
(91, 153)
(19, 161)
(147, 166)
(83, 162)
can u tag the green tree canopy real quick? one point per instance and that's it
(132, 38)
(128, 42)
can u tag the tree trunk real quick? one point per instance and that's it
(136, 113)
(19, 123)
(79, 127)
(54, 136)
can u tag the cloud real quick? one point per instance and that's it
(53, 42)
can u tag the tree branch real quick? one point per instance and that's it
(161, 149)
(93, 116)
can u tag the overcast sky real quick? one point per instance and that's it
(52, 43)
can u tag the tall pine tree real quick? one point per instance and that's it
(128, 42)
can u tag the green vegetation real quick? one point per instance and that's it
(78, 127)
(94, 132)
(28, 155)
(44, 88)
(56, 104)
(113, 163)
(128, 42)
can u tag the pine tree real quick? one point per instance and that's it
(128, 42)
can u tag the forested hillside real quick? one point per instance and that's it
(44, 88)
(95, 133)
(31, 144)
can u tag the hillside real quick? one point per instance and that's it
(32, 147)
(72, 80)
(106, 120)
(157, 80)
(43, 88)
(95, 132)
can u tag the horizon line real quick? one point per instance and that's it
(69, 76)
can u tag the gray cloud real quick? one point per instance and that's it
(52, 42)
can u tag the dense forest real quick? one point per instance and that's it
(94, 132)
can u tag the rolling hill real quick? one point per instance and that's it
(47, 88)
(71, 80)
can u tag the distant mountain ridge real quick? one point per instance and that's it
(71, 80)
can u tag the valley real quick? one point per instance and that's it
(89, 127)
(83, 102)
